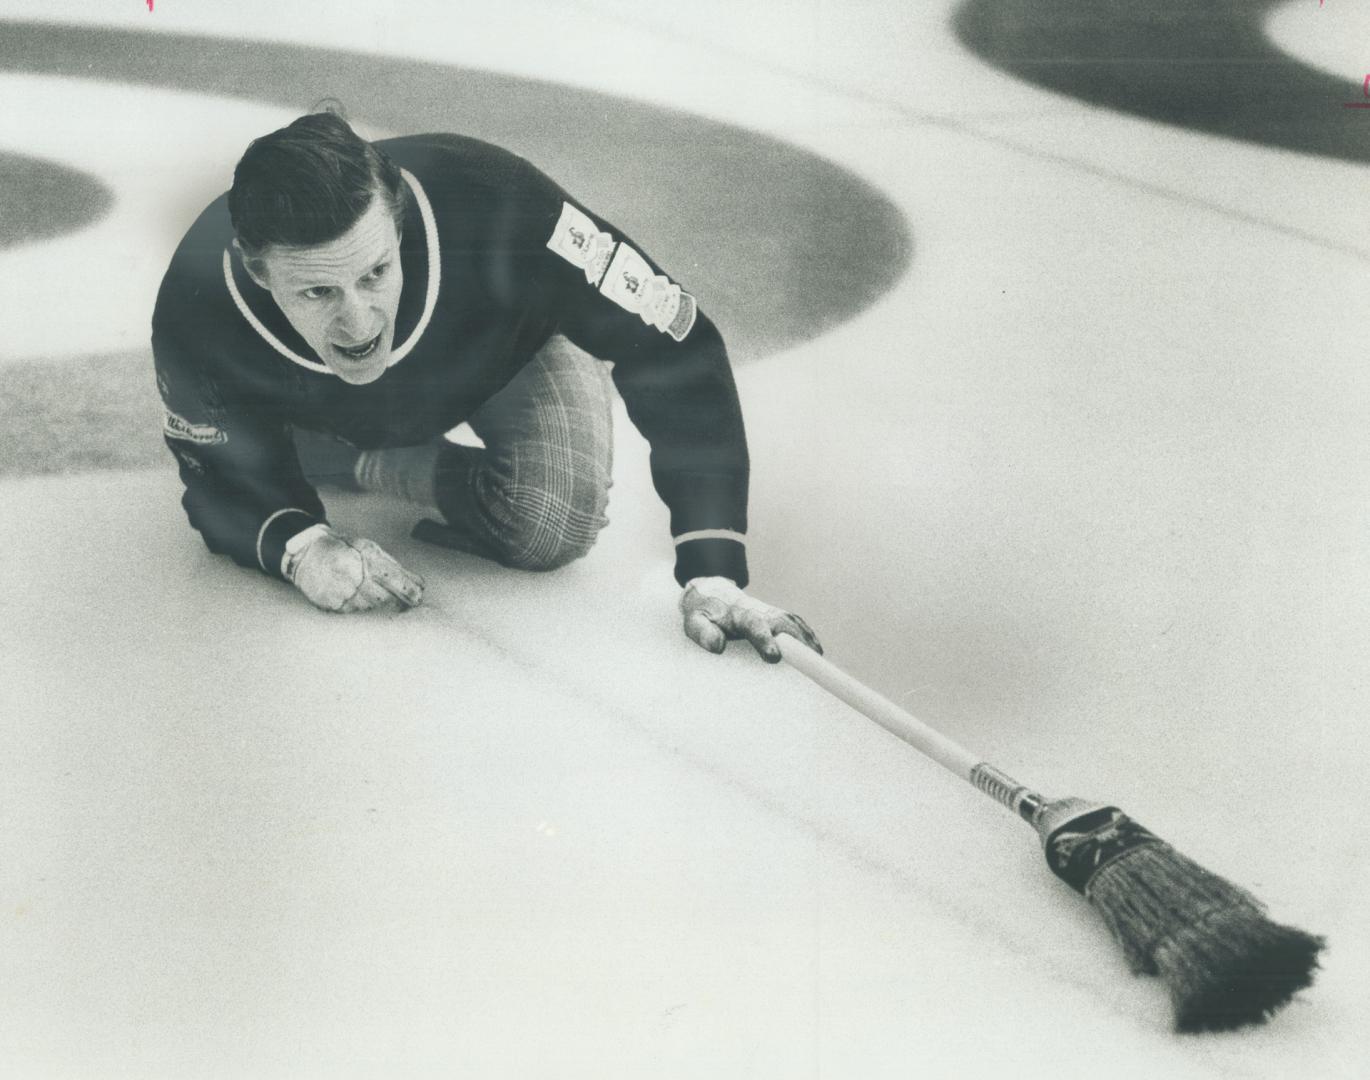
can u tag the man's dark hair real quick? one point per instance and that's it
(308, 183)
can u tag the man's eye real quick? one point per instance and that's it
(378, 272)
(315, 292)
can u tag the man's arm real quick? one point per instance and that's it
(244, 491)
(670, 366)
(247, 496)
(672, 369)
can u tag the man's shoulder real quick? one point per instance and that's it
(210, 233)
(445, 149)
(194, 276)
(469, 172)
(201, 315)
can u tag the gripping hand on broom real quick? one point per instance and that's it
(716, 611)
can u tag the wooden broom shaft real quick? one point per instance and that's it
(977, 772)
(887, 714)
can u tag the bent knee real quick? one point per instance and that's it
(551, 542)
(529, 519)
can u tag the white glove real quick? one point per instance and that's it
(339, 573)
(717, 611)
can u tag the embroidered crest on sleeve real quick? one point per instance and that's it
(178, 427)
(579, 241)
(655, 298)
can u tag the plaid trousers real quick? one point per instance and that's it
(535, 496)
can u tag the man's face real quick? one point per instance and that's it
(341, 297)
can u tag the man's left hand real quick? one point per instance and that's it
(716, 611)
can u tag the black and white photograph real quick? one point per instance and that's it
(782, 539)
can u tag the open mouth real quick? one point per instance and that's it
(359, 352)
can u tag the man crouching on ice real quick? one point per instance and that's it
(347, 303)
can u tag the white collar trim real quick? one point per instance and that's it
(430, 300)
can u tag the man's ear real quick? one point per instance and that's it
(255, 267)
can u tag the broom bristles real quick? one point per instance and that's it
(1223, 961)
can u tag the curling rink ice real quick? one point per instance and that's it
(1085, 483)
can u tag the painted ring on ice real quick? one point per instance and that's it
(40, 199)
(779, 243)
(1209, 67)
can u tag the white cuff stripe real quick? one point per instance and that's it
(267, 524)
(711, 534)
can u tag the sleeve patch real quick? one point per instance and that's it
(579, 241)
(658, 301)
(177, 427)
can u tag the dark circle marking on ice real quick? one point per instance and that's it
(1207, 67)
(42, 199)
(778, 243)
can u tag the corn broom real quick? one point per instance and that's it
(1224, 963)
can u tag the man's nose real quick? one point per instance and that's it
(353, 317)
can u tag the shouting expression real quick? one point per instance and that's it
(341, 297)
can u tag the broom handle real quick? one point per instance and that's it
(926, 740)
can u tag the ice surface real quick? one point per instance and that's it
(1087, 490)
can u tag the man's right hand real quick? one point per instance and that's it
(340, 573)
